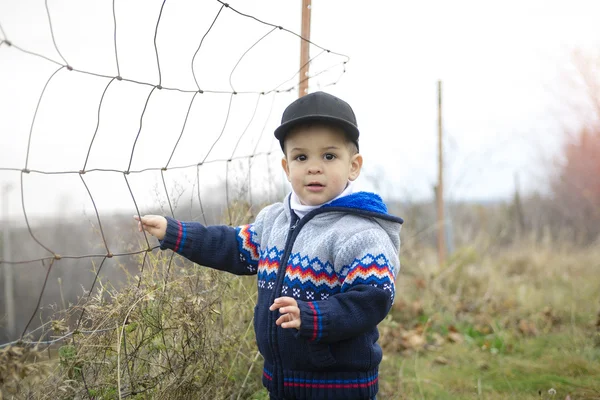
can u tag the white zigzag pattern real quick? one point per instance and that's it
(249, 238)
(269, 261)
(291, 276)
(267, 268)
(316, 266)
(370, 272)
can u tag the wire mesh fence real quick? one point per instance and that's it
(207, 145)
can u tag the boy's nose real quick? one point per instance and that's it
(315, 169)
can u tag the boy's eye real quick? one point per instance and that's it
(329, 156)
(301, 157)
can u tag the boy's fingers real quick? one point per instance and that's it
(285, 318)
(276, 306)
(153, 224)
(290, 313)
(290, 310)
(287, 321)
(149, 222)
(292, 324)
(141, 220)
(285, 301)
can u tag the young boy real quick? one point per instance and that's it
(326, 260)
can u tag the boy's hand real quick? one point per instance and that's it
(290, 313)
(153, 224)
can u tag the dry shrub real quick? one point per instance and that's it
(489, 296)
(175, 331)
(188, 336)
(19, 370)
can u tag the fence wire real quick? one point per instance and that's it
(63, 66)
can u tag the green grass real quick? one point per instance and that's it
(569, 365)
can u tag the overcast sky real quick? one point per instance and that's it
(503, 65)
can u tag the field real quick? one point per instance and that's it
(518, 322)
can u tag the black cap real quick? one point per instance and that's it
(318, 107)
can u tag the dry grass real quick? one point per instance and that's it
(172, 340)
(176, 331)
(493, 323)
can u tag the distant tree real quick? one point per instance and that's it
(576, 185)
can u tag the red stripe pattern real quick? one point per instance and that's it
(179, 236)
(331, 384)
(315, 321)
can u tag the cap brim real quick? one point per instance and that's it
(348, 128)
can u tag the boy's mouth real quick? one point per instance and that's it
(315, 187)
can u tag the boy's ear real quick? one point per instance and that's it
(286, 167)
(356, 163)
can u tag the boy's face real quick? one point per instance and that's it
(319, 163)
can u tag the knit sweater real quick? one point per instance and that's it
(339, 262)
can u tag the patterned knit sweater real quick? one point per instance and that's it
(339, 262)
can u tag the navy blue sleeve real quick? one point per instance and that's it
(368, 277)
(222, 247)
(344, 315)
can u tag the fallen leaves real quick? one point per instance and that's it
(441, 361)
(395, 338)
(438, 340)
(551, 317)
(454, 335)
(412, 340)
(527, 328)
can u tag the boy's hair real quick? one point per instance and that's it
(318, 107)
(350, 144)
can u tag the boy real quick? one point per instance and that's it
(326, 260)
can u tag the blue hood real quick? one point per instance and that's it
(365, 203)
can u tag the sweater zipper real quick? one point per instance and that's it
(293, 232)
(276, 293)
